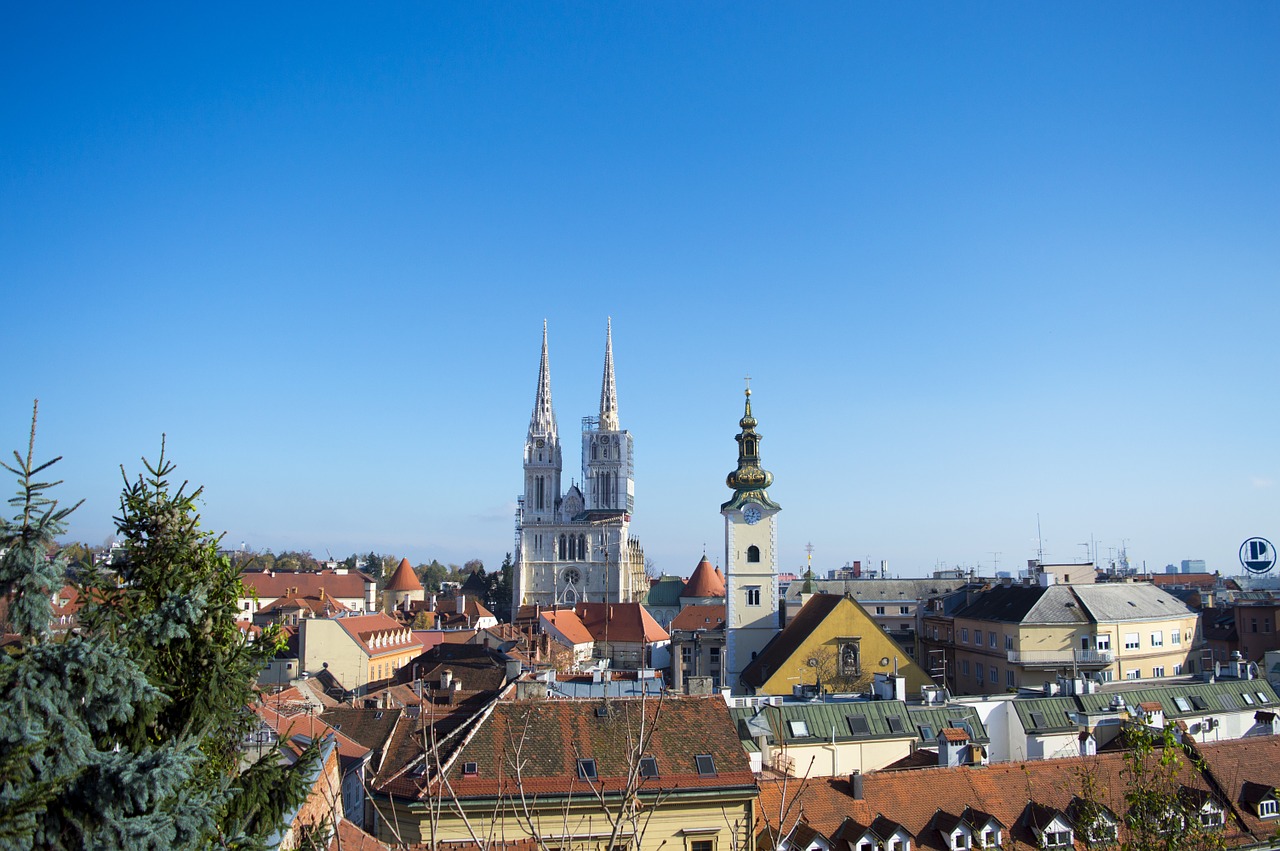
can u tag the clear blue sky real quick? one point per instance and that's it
(983, 261)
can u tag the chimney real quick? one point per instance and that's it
(462, 603)
(855, 783)
(446, 678)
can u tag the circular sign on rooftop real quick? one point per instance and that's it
(1257, 555)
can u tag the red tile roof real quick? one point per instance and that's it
(699, 617)
(404, 579)
(955, 735)
(568, 624)
(269, 586)
(627, 622)
(914, 798)
(378, 634)
(555, 734)
(317, 606)
(705, 582)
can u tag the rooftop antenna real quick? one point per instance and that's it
(995, 562)
(1039, 540)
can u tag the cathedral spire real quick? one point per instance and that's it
(608, 390)
(543, 421)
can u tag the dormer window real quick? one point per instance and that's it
(1211, 815)
(1057, 838)
(990, 838)
(960, 841)
(1267, 808)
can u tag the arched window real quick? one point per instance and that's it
(573, 548)
(595, 451)
(753, 554)
(562, 547)
(582, 547)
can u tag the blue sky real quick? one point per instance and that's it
(983, 262)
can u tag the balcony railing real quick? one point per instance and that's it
(1061, 657)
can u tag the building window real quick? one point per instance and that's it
(686, 656)
(964, 634)
(879, 610)
(1008, 642)
(1010, 679)
(995, 675)
(702, 845)
(1132, 641)
(978, 671)
(1103, 642)
(753, 554)
(1267, 808)
(1177, 670)
(1157, 671)
(959, 841)
(1057, 838)
(1108, 675)
(753, 595)
(904, 610)
(991, 639)
(1253, 624)
(1135, 674)
(1175, 637)
(1157, 639)
(964, 667)
(1211, 816)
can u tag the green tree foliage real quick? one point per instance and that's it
(127, 734)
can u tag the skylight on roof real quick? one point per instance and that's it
(1199, 703)
(1262, 698)
(1037, 719)
(648, 766)
(894, 722)
(706, 765)
(926, 732)
(1248, 698)
(858, 725)
(798, 728)
(1181, 703)
(586, 769)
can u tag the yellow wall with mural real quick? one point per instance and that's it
(820, 652)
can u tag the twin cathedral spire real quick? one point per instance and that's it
(573, 544)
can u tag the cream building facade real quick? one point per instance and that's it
(1024, 636)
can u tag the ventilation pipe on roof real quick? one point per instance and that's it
(855, 783)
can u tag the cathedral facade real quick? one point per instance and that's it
(574, 545)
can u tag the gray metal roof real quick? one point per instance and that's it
(1130, 601)
(878, 590)
(884, 719)
(1057, 605)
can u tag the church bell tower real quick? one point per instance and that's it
(751, 553)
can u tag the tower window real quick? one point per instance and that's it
(753, 554)
(753, 595)
(582, 547)
(563, 547)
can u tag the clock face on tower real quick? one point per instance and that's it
(751, 514)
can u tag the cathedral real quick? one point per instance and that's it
(574, 545)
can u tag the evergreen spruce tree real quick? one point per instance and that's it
(127, 733)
